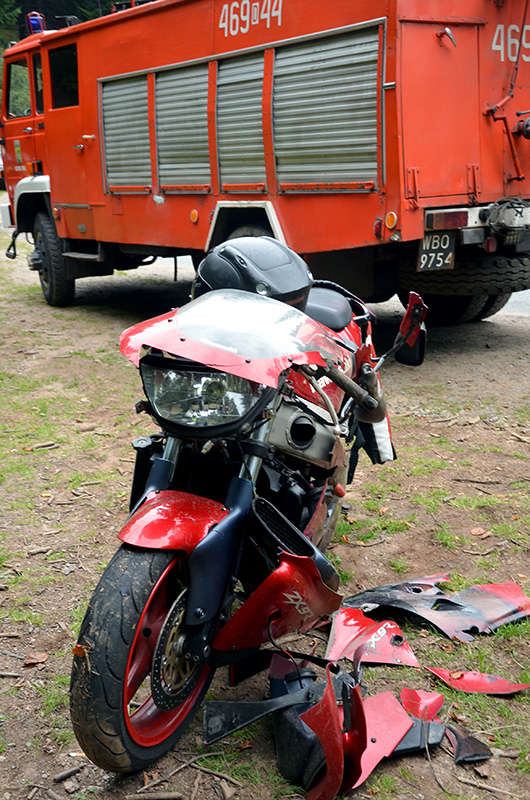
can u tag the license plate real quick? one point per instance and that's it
(437, 251)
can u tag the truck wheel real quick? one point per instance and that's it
(57, 289)
(494, 303)
(446, 310)
(250, 230)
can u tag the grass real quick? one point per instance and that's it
(444, 535)
(54, 695)
(399, 564)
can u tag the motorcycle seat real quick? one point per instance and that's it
(329, 308)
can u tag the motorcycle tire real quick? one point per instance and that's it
(114, 716)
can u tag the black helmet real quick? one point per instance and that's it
(257, 264)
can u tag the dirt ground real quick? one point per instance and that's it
(455, 501)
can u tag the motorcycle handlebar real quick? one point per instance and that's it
(352, 389)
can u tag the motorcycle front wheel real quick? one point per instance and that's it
(114, 716)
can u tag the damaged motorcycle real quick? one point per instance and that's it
(256, 384)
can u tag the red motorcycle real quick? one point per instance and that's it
(255, 384)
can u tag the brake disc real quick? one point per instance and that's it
(173, 677)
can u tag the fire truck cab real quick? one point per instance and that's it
(385, 140)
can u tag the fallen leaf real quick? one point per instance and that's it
(384, 509)
(35, 658)
(520, 575)
(246, 745)
(486, 534)
(477, 531)
(446, 646)
(79, 650)
(483, 769)
(457, 675)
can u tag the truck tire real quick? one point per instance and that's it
(494, 303)
(446, 310)
(250, 230)
(475, 289)
(58, 290)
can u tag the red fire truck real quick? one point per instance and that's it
(386, 140)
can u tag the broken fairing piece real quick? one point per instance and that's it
(323, 720)
(387, 723)
(466, 748)
(420, 704)
(385, 645)
(422, 734)
(479, 609)
(307, 747)
(478, 682)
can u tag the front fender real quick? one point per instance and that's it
(172, 521)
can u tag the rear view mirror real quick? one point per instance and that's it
(412, 335)
(414, 355)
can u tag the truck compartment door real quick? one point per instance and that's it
(439, 108)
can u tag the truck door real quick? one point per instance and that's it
(68, 145)
(440, 108)
(19, 121)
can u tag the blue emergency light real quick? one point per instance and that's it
(35, 22)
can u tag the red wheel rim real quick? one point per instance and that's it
(149, 726)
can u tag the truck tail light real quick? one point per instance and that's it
(446, 220)
(491, 244)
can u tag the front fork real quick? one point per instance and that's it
(211, 563)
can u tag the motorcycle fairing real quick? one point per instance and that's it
(421, 704)
(386, 644)
(387, 723)
(478, 682)
(225, 329)
(285, 601)
(466, 748)
(324, 721)
(479, 609)
(172, 520)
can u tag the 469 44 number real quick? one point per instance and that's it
(239, 16)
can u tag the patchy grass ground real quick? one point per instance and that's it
(456, 500)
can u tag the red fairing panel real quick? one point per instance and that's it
(172, 521)
(387, 723)
(291, 596)
(323, 720)
(478, 682)
(244, 334)
(386, 645)
(420, 704)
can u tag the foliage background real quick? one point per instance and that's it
(13, 14)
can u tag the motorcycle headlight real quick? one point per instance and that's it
(198, 398)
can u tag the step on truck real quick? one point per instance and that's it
(386, 141)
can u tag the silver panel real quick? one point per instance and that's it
(126, 132)
(182, 126)
(325, 109)
(239, 120)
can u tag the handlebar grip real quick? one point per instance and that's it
(352, 389)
